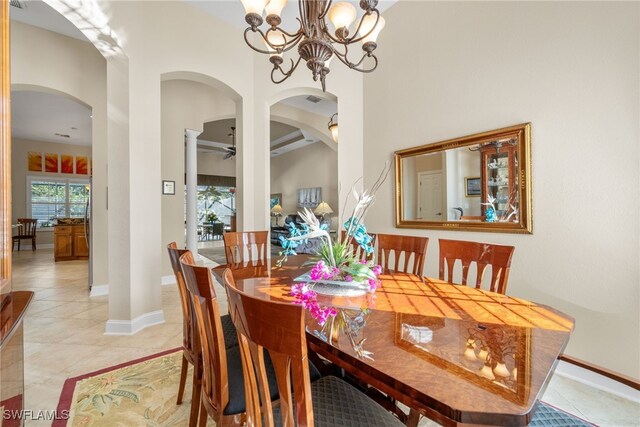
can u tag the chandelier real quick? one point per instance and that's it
(317, 44)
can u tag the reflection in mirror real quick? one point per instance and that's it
(470, 183)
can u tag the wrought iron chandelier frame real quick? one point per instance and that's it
(316, 44)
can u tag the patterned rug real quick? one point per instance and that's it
(143, 392)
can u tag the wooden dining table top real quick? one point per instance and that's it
(418, 335)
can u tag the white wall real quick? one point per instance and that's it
(47, 61)
(569, 68)
(315, 165)
(20, 172)
(184, 104)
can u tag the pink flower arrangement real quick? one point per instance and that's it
(321, 271)
(307, 298)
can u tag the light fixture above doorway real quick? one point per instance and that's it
(333, 127)
(317, 44)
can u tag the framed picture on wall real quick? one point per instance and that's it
(275, 199)
(472, 187)
(309, 197)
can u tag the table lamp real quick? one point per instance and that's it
(276, 211)
(323, 209)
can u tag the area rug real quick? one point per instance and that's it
(143, 392)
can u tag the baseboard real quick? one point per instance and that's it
(99, 290)
(168, 280)
(131, 327)
(597, 381)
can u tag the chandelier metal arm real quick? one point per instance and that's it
(326, 10)
(354, 39)
(289, 45)
(286, 74)
(354, 66)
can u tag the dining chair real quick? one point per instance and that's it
(223, 390)
(356, 250)
(411, 247)
(484, 255)
(191, 350)
(280, 329)
(27, 231)
(246, 247)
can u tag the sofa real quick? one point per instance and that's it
(310, 247)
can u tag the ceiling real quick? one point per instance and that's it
(284, 138)
(40, 14)
(39, 116)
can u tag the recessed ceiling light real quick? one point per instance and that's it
(74, 128)
(91, 116)
(62, 135)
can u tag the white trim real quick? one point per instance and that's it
(99, 290)
(597, 381)
(131, 327)
(168, 280)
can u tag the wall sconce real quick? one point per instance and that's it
(333, 127)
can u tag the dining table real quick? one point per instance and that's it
(455, 354)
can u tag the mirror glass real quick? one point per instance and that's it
(478, 182)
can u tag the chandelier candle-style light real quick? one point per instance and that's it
(317, 44)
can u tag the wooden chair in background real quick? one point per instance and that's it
(246, 247)
(191, 350)
(484, 255)
(412, 247)
(279, 328)
(27, 232)
(357, 251)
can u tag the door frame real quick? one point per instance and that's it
(5, 152)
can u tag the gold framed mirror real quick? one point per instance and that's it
(480, 182)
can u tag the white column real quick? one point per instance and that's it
(191, 140)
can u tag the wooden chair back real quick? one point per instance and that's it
(409, 247)
(28, 227)
(246, 247)
(278, 328)
(215, 382)
(484, 255)
(190, 338)
(357, 251)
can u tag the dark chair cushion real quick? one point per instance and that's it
(237, 403)
(338, 404)
(229, 332)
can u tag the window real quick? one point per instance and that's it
(216, 202)
(50, 198)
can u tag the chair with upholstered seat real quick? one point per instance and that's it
(191, 351)
(484, 255)
(246, 247)
(280, 329)
(223, 391)
(408, 247)
(27, 232)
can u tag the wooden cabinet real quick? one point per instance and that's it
(69, 242)
(500, 178)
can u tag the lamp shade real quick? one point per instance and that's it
(367, 26)
(277, 209)
(323, 209)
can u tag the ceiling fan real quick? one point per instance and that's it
(231, 151)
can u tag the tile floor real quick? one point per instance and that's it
(64, 337)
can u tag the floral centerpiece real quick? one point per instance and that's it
(335, 262)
